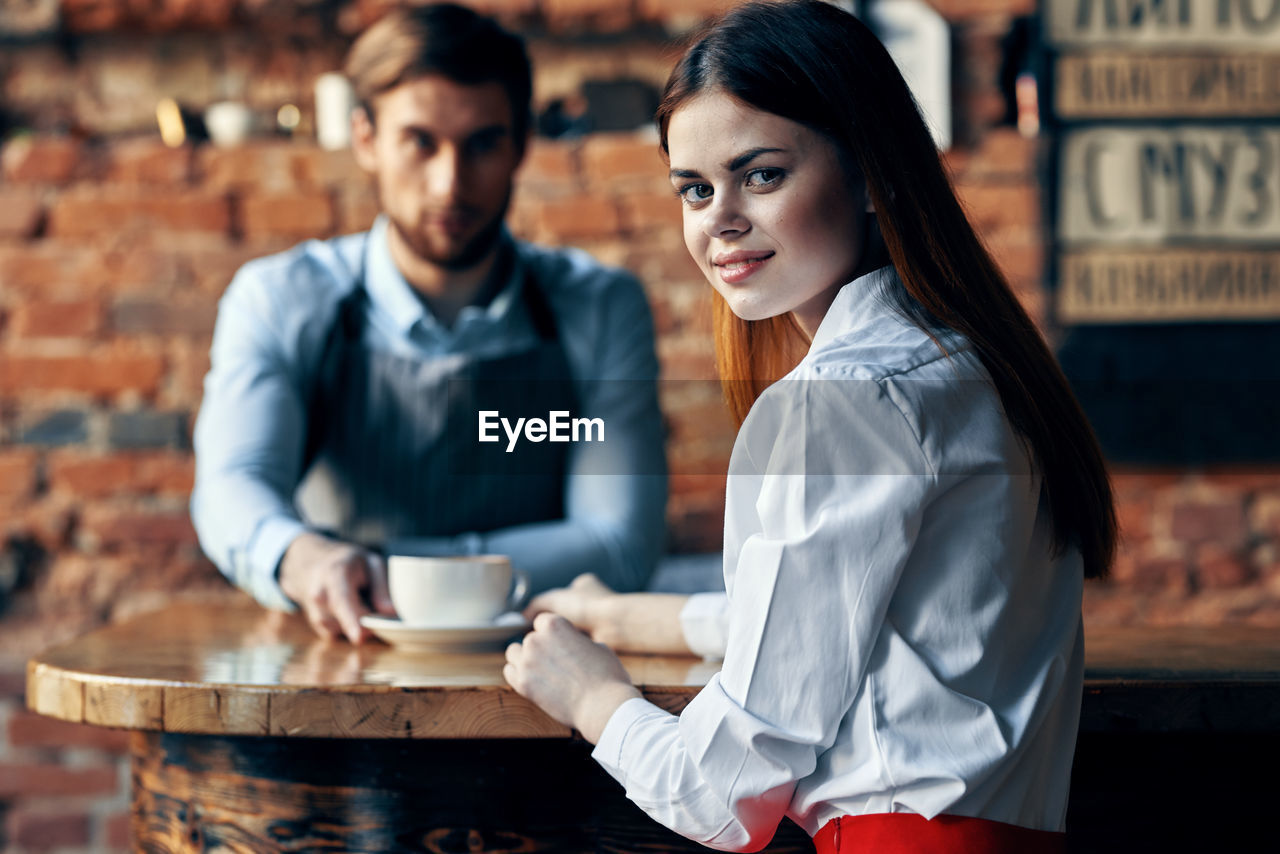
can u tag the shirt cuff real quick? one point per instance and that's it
(259, 575)
(704, 622)
(608, 750)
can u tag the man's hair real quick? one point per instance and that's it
(446, 39)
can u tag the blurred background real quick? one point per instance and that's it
(1123, 169)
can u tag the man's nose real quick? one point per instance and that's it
(445, 174)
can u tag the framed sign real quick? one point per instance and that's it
(1170, 185)
(1112, 85)
(1236, 24)
(1165, 222)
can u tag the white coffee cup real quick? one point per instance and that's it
(461, 590)
(228, 122)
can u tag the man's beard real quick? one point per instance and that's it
(471, 253)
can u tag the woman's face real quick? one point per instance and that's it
(770, 215)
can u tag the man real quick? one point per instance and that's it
(342, 410)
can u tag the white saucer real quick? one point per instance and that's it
(447, 638)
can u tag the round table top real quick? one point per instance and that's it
(240, 670)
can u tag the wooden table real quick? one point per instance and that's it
(253, 735)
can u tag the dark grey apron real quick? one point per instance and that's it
(392, 448)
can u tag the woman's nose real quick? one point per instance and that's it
(725, 217)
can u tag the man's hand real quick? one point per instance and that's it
(329, 580)
(574, 680)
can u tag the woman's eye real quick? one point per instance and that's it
(691, 194)
(763, 177)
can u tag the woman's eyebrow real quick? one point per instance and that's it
(729, 166)
(746, 157)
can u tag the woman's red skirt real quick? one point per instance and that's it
(907, 833)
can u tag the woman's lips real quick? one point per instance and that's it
(735, 267)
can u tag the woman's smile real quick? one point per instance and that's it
(735, 267)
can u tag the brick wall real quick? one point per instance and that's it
(114, 250)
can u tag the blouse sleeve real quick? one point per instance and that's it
(843, 488)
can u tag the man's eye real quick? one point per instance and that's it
(694, 193)
(484, 144)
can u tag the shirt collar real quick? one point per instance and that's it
(856, 306)
(390, 292)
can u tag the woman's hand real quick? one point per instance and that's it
(626, 622)
(573, 679)
(584, 603)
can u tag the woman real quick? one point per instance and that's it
(911, 509)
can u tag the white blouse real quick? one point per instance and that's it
(898, 636)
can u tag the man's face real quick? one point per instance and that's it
(444, 156)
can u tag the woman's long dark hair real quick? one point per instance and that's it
(816, 65)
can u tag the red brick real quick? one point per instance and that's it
(13, 681)
(40, 159)
(66, 269)
(1244, 479)
(686, 363)
(599, 15)
(1217, 568)
(1135, 521)
(94, 16)
(112, 211)
(318, 168)
(704, 486)
(547, 160)
(30, 780)
(44, 830)
(356, 210)
(28, 729)
(102, 372)
(609, 158)
(1264, 516)
(310, 215)
(643, 211)
(17, 476)
(1001, 154)
(576, 7)
(190, 316)
(87, 476)
(1129, 481)
(956, 10)
(20, 213)
(74, 319)
(92, 581)
(696, 525)
(110, 528)
(991, 206)
(147, 161)
(257, 166)
(1151, 574)
(119, 831)
(88, 16)
(1197, 521)
(1105, 606)
(663, 9)
(584, 216)
(1022, 265)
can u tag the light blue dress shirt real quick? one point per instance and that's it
(272, 325)
(898, 635)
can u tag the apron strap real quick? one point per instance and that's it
(909, 833)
